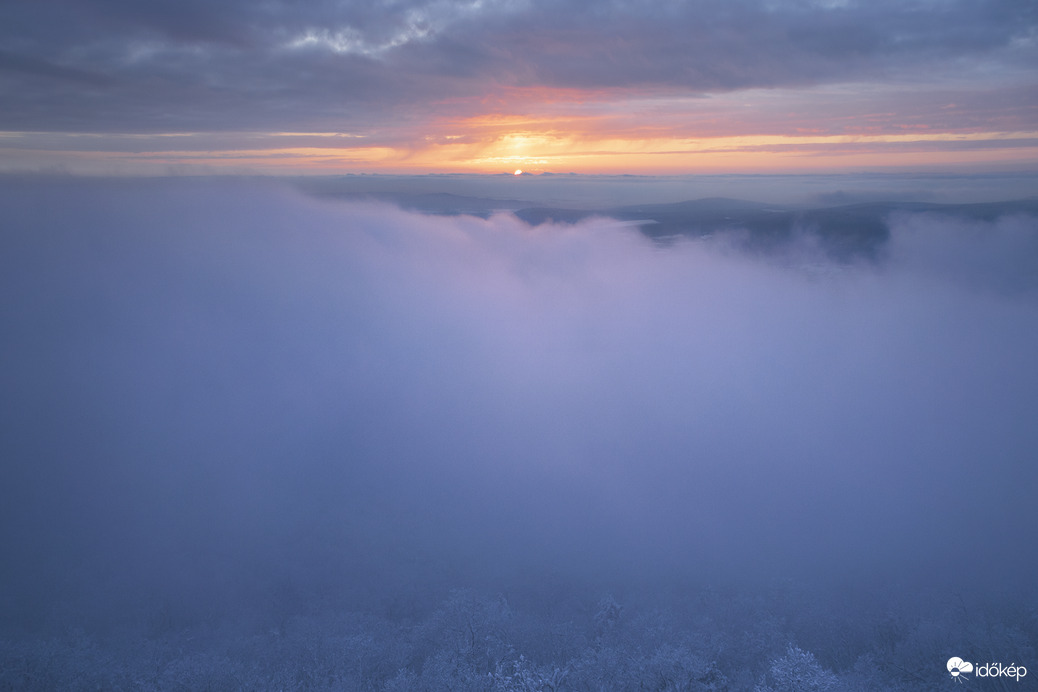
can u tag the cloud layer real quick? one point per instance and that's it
(417, 76)
(115, 66)
(218, 384)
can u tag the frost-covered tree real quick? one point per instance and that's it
(607, 614)
(522, 676)
(796, 671)
(469, 637)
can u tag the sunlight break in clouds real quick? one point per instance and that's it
(624, 87)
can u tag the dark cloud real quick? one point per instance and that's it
(42, 68)
(234, 65)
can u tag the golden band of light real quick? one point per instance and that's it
(492, 146)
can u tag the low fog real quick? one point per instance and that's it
(211, 390)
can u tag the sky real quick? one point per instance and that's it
(493, 86)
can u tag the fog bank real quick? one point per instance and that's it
(211, 388)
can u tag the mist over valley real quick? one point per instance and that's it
(302, 440)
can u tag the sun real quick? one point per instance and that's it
(518, 171)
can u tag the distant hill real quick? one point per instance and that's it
(844, 233)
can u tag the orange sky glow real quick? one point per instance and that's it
(537, 151)
(698, 86)
(562, 130)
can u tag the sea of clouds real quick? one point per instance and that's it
(209, 386)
